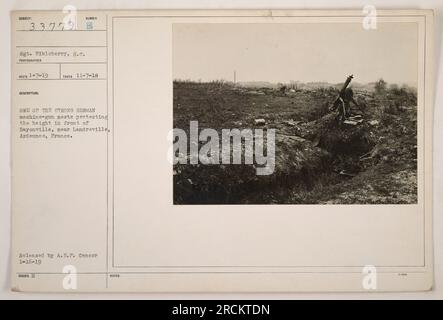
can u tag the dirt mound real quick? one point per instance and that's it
(296, 159)
(374, 161)
(327, 133)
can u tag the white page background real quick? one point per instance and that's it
(6, 6)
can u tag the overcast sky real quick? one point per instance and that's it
(304, 52)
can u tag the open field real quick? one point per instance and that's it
(317, 160)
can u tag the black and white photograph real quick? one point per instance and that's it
(228, 152)
(295, 113)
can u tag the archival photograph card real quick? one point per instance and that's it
(222, 150)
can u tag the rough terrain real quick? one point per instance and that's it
(318, 160)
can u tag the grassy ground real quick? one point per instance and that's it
(317, 160)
